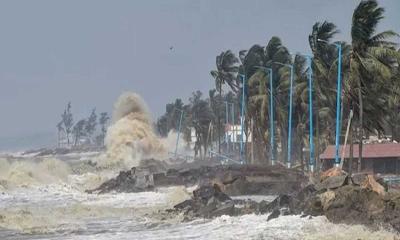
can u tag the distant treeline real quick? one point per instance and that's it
(83, 131)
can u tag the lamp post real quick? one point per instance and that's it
(233, 129)
(242, 120)
(338, 99)
(179, 132)
(289, 157)
(310, 110)
(226, 124)
(271, 115)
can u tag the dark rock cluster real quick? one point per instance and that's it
(233, 179)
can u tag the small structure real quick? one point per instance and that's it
(381, 158)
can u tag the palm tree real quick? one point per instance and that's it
(226, 72)
(257, 96)
(325, 65)
(370, 67)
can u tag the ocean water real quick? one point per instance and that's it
(45, 199)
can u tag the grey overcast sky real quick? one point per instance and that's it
(88, 52)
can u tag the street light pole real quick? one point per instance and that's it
(226, 124)
(289, 157)
(310, 100)
(338, 99)
(233, 127)
(242, 120)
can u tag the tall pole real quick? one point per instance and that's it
(339, 91)
(271, 117)
(233, 127)
(179, 132)
(338, 99)
(242, 122)
(226, 124)
(289, 159)
(310, 105)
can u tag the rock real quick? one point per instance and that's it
(205, 193)
(126, 181)
(326, 199)
(370, 183)
(275, 213)
(359, 178)
(332, 172)
(334, 182)
(225, 209)
(233, 179)
(208, 201)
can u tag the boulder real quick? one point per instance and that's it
(333, 182)
(332, 172)
(208, 201)
(126, 181)
(370, 183)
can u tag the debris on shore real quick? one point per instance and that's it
(359, 199)
(233, 179)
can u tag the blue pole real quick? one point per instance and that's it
(289, 159)
(233, 127)
(179, 132)
(227, 122)
(271, 117)
(242, 121)
(339, 85)
(311, 163)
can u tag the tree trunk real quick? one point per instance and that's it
(317, 149)
(351, 149)
(360, 137)
(58, 138)
(301, 155)
(252, 140)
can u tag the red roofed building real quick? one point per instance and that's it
(381, 158)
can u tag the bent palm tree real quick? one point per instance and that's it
(226, 72)
(370, 67)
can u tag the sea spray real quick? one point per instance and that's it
(25, 173)
(131, 136)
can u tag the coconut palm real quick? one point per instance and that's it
(226, 72)
(370, 67)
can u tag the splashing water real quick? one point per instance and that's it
(26, 173)
(131, 135)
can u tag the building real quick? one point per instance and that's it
(383, 158)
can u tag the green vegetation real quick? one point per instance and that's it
(371, 89)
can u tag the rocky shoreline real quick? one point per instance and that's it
(358, 199)
(342, 199)
(234, 180)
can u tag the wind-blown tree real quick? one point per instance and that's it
(170, 120)
(68, 121)
(226, 72)
(91, 124)
(324, 60)
(79, 131)
(200, 117)
(371, 62)
(103, 120)
(325, 65)
(60, 129)
(257, 94)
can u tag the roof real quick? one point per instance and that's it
(386, 150)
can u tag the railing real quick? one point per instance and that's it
(224, 159)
